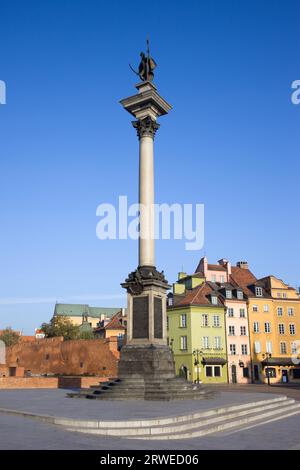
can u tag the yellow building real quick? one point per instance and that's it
(286, 336)
(274, 327)
(82, 313)
(116, 326)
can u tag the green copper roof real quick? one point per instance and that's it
(77, 310)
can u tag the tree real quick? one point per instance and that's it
(87, 334)
(9, 337)
(61, 326)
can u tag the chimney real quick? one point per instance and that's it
(242, 264)
(224, 262)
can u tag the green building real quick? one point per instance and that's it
(196, 330)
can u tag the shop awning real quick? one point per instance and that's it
(278, 361)
(214, 361)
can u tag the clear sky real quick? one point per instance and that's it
(66, 145)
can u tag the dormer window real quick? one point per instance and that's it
(258, 291)
(228, 294)
(239, 295)
(214, 300)
(170, 301)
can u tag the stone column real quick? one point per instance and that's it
(146, 356)
(146, 129)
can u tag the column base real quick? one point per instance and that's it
(146, 373)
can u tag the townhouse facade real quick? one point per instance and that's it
(236, 319)
(274, 322)
(259, 320)
(196, 331)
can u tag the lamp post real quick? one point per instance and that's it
(197, 353)
(267, 355)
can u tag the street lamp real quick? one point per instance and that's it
(267, 355)
(197, 353)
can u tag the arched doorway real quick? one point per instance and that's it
(184, 372)
(256, 373)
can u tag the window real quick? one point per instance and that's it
(266, 308)
(228, 294)
(244, 349)
(222, 279)
(81, 365)
(242, 313)
(292, 329)
(205, 320)
(231, 330)
(294, 348)
(213, 278)
(290, 311)
(296, 373)
(246, 372)
(243, 331)
(267, 327)
(269, 347)
(257, 347)
(239, 294)
(284, 295)
(216, 320)
(230, 312)
(256, 327)
(258, 291)
(47, 357)
(183, 343)
(183, 320)
(218, 342)
(255, 308)
(278, 295)
(214, 300)
(232, 349)
(170, 301)
(279, 311)
(205, 342)
(213, 371)
(281, 328)
(283, 347)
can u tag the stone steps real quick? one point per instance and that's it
(193, 425)
(138, 389)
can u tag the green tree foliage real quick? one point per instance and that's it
(61, 326)
(87, 334)
(9, 337)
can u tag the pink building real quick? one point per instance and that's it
(221, 277)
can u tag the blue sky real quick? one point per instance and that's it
(230, 142)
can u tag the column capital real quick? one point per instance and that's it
(146, 127)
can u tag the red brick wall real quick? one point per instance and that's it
(28, 382)
(49, 382)
(98, 357)
(3, 370)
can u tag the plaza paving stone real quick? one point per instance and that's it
(17, 432)
(25, 434)
(56, 403)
